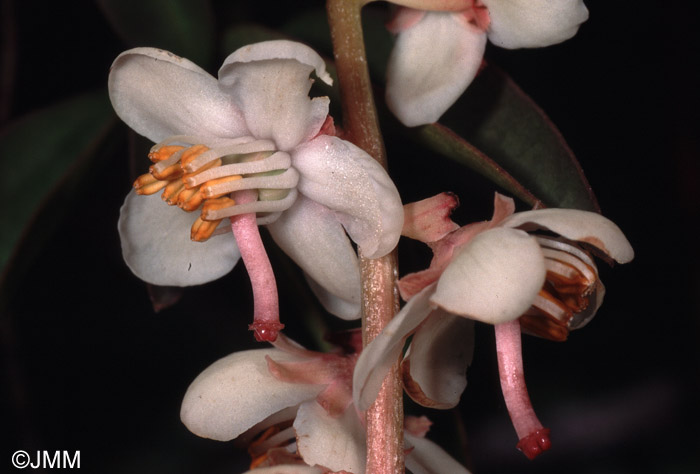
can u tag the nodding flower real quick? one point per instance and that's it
(292, 408)
(251, 148)
(438, 53)
(531, 270)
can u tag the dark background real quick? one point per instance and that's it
(88, 365)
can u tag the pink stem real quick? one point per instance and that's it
(534, 438)
(266, 313)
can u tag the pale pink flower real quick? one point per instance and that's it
(531, 269)
(252, 143)
(438, 53)
(309, 396)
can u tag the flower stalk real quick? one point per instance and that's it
(534, 438)
(380, 300)
(266, 322)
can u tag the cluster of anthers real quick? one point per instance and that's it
(563, 302)
(194, 176)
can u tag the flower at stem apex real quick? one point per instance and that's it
(529, 269)
(438, 53)
(252, 143)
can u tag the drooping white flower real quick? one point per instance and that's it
(510, 271)
(438, 53)
(289, 404)
(255, 128)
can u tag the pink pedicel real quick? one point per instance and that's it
(266, 314)
(534, 438)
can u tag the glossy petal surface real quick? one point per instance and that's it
(582, 226)
(494, 278)
(238, 391)
(271, 88)
(310, 234)
(159, 94)
(347, 180)
(431, 65)
(156, 244)
(376, 359)
(534, 23)
(336, 443)
(435, 366)
(429, 458)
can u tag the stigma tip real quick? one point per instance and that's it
(535, 443)
(266, 331)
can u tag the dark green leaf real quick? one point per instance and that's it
(184, 27)
(444, 141)
(40, 150)
(499, 119)
(495, 128)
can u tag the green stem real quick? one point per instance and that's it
(385, 454)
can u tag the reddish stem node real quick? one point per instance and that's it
(266, 321)
(534, 438)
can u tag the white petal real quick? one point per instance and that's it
(238, 391)
(347, 180)
(270, 83)
(159, 95)
(337, 306)
(376, 359)
(431, 65)
(312, 236)
(534, 23)
(156, 244)
(281, 49)
(435, 366)
(582, 226)
(494, 278)
(335, 443)
(427, 457)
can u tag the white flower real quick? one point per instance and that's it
(307, 395)
(253, 128)
(496, 272)
(438, 54)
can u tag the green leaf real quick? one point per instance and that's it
(498, 118)
(37, 152)
(444, 141)
(494, 129)
(184, 27)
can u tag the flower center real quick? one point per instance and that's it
(571, 279)
(194, 176)
(274, 446)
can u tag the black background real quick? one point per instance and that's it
(87, 364)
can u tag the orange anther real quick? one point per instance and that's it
(147, 184)
(215, 205)
(188, 182)
(192, 201)
(212, 182)
(171, 172)
(172, 191)
(202, 230)
(163, 153)
(191, 153)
